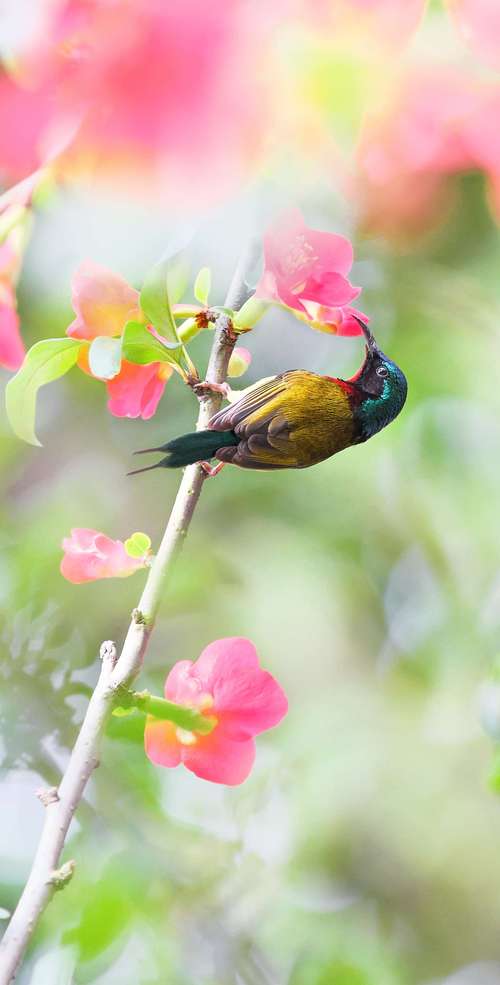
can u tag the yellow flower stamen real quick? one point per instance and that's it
(185, 737)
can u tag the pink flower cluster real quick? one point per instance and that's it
(227, 685)
(304, 270)
(129, 87)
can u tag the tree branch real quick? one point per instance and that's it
(46, 875)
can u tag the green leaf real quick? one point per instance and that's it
(155, 301)
(177, 280)
(138, 544)
(106, 911)
(45, 361)
(105, 356)
(141, 347)
(120, 712)
(202, 285)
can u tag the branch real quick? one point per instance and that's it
(60, 805)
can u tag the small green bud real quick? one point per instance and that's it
(249, 314)
(138, 545)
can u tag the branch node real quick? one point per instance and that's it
(228, 334)
(47, 795)
(59, 878)
(108, 652)
(139, 617)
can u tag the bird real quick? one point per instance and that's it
(295, 419)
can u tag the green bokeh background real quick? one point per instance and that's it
(363, 849)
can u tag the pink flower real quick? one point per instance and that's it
(11, 343)
(137, 390)
(90, 555)
(408, 150)
(103, 302)
(306, 270)
(133, 100)
(225, 683)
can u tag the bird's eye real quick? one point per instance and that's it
(382, 371)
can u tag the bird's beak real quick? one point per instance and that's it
(371, 345)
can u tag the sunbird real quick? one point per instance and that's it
(295, 419)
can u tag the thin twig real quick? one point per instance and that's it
(46, 873)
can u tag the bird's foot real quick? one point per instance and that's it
(212, 470)
(203, 388)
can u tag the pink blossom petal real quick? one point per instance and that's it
(285, 246)
(482, 133)
(208, 665)
(24, 116)
(286, 297)
(136, 391)
(348, 324)
(103, 302)
(329, 288)
(183, 684)
(82, 539)
(335, 252)
(337, 321)
(11, 343)
(161, 743)
(247, 699)
(267, 287)
(90, 555)
(215, 757)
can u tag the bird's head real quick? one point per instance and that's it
(379, 387)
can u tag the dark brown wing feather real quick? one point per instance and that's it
(230, 417)
(263, 428)
(290, 421)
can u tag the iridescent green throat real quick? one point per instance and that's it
(374, 413)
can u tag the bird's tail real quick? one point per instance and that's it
(199, 446)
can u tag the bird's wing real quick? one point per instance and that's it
(251, 402)
(267, 420)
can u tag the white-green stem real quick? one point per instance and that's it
(60, 804)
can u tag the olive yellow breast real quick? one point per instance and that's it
(319, 415)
